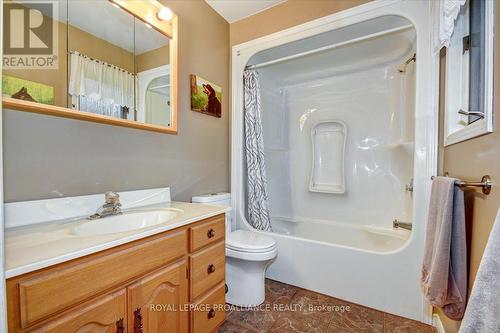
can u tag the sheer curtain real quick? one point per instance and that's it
(98, 87)
(258, 206)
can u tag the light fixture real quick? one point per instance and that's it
(165, 14)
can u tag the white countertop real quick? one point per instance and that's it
(37, 246)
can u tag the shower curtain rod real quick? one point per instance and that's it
(328, 47)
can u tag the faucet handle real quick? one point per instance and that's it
(111, 197)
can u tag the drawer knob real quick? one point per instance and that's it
(211, 233)
(211, 314)
(211, 268)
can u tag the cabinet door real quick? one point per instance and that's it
(106, 314)
(157, 303)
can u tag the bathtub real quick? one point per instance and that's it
(362, 237)
(362, 264)
(347, 252)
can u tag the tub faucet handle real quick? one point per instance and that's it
(409, 187)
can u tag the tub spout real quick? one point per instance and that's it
(399, 224)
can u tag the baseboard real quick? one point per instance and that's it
(438, 324)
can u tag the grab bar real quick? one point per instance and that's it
(485, 183)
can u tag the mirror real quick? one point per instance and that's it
(114, 67)
(36, 82)
(153, 75)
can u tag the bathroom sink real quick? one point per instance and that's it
(125, 222)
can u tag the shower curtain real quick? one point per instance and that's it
(257, 197)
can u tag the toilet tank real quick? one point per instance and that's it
(217, 199)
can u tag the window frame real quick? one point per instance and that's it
(481, 126)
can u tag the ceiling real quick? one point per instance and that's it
(235, 10)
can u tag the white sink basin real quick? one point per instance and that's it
(125, 222)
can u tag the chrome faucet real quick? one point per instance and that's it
(111, 206)
(399, 224)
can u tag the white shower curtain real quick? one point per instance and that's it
(257, 196)
(98, 87)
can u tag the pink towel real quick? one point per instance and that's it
(444, 268)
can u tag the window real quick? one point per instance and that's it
(469, 74)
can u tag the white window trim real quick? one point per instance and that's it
(484, 125)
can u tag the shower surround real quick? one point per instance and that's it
(332, 204)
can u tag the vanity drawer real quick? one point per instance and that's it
(106, 312)
(208, 232)
(48, 292)
(209, 312)
(207, 268)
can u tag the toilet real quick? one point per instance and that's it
(248, 254)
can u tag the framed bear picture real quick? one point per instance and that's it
(206, 97)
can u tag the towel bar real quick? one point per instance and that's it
(485, 184)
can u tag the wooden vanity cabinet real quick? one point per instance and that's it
(145, 286)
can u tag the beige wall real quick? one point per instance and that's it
(101, 49)
(285, 15)
(47, 157)
(471, 160)
(152, 59)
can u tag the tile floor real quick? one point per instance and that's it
(292, 309)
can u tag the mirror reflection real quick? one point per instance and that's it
(153, 75)
(111, 64)
(39, 84)
(101, 59)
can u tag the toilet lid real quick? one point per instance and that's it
(248, 241)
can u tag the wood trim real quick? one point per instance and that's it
(58, 111)
(174, 75)
(146, 12)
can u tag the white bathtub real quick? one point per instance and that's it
(363, 237)
(347, 257)
(362, 264)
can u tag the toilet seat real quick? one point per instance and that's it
(249, 242)
(248, 245)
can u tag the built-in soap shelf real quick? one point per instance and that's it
(328, 150)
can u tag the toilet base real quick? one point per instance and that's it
(245, 280)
